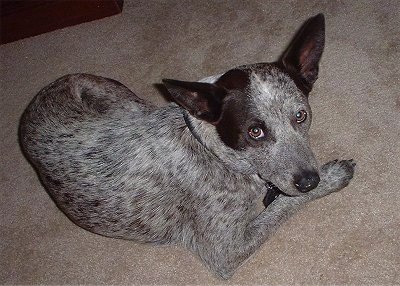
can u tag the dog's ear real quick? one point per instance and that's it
(202, 100)
(234, 79)
(304, 53)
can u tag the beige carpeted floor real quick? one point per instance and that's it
(351, 237)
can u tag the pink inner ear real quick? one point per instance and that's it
(202, 106)
(305, 60)
(199, 103)
(193, 95)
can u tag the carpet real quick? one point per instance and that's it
(350, 237)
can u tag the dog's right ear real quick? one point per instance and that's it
(202, 100)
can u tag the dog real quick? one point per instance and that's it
(189, 173)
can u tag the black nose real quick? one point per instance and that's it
(306, 181)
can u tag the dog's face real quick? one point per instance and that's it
(267, 121)
(261, 113)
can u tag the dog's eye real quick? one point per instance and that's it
(301, 116)
(256, 133)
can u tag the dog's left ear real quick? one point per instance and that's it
(302, 57)
(202, 100)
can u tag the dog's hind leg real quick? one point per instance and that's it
(102, 94)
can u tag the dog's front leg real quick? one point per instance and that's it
(231, 248)
(334, 175)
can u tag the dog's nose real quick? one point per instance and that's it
(306, 181)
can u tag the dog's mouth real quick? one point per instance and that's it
(271, 187)
(272, 193)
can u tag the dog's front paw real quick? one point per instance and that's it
(336, 175)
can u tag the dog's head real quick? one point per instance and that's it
(256, 117)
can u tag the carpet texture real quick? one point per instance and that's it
(350, 237)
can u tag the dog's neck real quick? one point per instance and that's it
(191, 127)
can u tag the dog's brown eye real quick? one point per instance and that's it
(256, 133)
(301, 116)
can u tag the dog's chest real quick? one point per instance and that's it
(232, 191)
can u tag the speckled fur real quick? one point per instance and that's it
(119, 167)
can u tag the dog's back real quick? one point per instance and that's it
(121, 168)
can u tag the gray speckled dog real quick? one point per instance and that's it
(189, 173)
